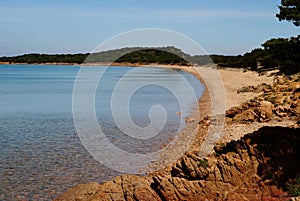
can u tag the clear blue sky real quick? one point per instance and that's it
(65, 26)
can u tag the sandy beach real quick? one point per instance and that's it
(229, 80)
(232, 79)
(201, 172)
(190, 154)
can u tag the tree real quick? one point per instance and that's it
(283, 53)
(290, 11)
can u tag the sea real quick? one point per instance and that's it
(41, 153)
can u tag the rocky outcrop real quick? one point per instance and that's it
(256, 167)
(125, 187)
(279, 102)
(256, 89)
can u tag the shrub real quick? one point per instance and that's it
(203, 163)
(294, 189)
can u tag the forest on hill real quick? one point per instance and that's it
(282, 53)
(162, 55)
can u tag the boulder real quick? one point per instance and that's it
(124, 187)
(246, 89)
(80, 192)
(247, 169)
(189, 119)
(246, 116)
(233, 111)
(282, 110)
(265, 110)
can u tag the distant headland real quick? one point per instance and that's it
(272, 55)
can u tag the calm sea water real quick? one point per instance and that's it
(41, 154)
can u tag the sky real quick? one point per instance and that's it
(228, 27)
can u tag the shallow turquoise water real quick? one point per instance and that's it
(41, 154)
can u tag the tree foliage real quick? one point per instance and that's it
(248, 60)
(140, 55)
(153, 56)
(45, 58)
(290, 11)
(279, 53)
(162, 55)
(284, 53)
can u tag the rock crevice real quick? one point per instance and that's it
(258, 166)
(252, 168)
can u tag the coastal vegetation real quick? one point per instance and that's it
(262, 164)
(294, 189)
(281, 53)
(35, 58)
(163, 55)
(140, 55)
(290, 11)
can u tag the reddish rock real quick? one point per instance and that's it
(265, 110)
(256, 167)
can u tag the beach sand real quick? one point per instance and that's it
(232, 79)
(228, 82)
(199, 128)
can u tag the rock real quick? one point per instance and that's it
(80, 192)
(189, 119)
(256, 167)
(255, 89)
(178, 113)
(265, 110)
(246, 116)
(250, 115)
(267, 89)
(277, 192)
(245, 106)
(281, 100)
(282, 110)
(281, 80)
(233, 111)
(246, 89)
(125, 187)
(295, 96)
(296, 87)
(263, 88)
(285, 88)
(214, 180)
(219, 147)
(247, 170)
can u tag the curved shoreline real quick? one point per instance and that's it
(204, 108)
(96, 64)
(232, 77)
(192, 175)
